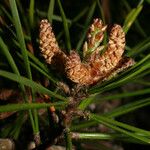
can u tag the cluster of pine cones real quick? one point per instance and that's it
(95, 65)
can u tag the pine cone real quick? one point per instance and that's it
(48, 43)
(49, 47)
(76, 71)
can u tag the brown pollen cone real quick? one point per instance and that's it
(48, 43)
(49, 47)
(76, 71)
